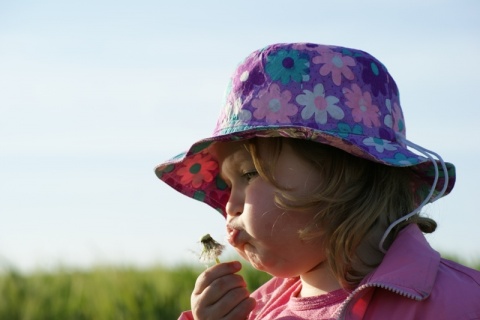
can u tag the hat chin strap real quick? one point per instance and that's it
(428, 198)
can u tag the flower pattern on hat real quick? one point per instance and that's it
(344, 129)
(235, 115)
(286, 66)
(394, 119)
(247, 78)
(403, 160)
(363, 109)
(336, 64)
(316, 103)
(274, 105)
(332, 95)
(374, 73)
(198, 169)
(379, 144)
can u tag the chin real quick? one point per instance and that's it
(258, 266)
(263, 265)
(273, 268)
(254, 260)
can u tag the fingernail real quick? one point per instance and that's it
(237, 265)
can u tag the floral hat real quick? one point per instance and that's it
(328, 94)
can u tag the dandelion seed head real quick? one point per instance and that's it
(211, 249)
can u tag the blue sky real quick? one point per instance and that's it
(94, 94)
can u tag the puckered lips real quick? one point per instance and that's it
(233, 235)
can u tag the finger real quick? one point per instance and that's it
(229, 302)
(219, 270)
(221, 286)
(242, 310)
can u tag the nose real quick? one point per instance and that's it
(235, 203)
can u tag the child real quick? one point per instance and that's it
(309, 165)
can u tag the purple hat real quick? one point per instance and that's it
(332, 95)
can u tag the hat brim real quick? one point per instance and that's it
(195, 172)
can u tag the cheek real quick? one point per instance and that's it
(259, 196)
(268, 223)
(260, 211)
(274, 228)
(260, 222)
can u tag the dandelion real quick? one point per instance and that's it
(211, 249)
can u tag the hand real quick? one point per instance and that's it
(219, 293)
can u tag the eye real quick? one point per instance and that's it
(250, 175)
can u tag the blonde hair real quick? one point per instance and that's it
(355, 205)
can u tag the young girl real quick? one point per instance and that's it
(309, 165)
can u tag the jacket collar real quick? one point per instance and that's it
(409, 267)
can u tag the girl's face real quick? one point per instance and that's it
(264, 234)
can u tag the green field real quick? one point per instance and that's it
(104, 292)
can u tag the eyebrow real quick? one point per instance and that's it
(237, 160)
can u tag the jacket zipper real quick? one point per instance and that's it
(340, 312)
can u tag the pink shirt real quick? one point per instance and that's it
(277, 299)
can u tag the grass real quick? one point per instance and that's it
(105, 293)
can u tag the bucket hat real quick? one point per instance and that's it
(332, 95)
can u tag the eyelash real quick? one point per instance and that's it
(250, 175)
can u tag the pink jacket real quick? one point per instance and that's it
(412, 282)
